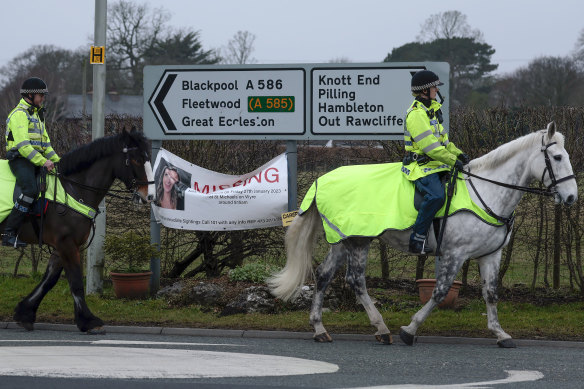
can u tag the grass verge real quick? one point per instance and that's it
(557, 321)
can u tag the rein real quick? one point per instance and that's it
(537, 191)
(108, 191)
(548, 191)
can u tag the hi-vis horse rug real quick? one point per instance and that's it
(8, 182)
(366, 200)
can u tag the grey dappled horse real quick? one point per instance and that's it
(537, 156)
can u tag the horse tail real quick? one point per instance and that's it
(300, 241)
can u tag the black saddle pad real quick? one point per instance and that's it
(419, 197)
(37, 207)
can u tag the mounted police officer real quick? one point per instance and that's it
(28, 148)
(429, 153)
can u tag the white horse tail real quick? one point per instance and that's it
(300, 241)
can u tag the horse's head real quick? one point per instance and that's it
(136, 171)
(554, 162)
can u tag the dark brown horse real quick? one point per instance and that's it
(86, 174)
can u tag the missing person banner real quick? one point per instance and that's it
(191, 197)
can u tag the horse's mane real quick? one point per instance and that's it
(84, 156)
(508, 150)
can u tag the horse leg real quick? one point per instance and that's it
(85, 320)
(25, 311)
(448, 269)
(324, 275)
(489, 267)
(356, 264)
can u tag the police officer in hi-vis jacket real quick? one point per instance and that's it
(428, 153)
(28, 148)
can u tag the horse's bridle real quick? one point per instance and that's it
(134, 183)
(548, 168)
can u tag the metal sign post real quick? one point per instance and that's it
(155, 233)
(95, 255)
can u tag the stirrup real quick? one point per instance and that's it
(12, 241)
(418, 245)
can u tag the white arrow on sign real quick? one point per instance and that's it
(157, 104)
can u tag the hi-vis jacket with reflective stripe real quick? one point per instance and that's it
(424, 135)
(26, 133)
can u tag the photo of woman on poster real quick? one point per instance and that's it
(170, 187)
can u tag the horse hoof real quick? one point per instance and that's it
(384, 339)
(96, 331)
(323, 338)
(27, 326)
(406, 338)
(506, 343)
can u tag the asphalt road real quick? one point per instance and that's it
(58, 356)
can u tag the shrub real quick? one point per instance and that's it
(252, 272)
(129, 252)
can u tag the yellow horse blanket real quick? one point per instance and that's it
(8, 182)
(366, 200)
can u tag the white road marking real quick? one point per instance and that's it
(513, 376)
(148, 363)
(20, 341)
(112, 341)
(129, 342)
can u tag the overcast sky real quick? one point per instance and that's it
(314, 31)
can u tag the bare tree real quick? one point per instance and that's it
(550, 81)
(448, 25)
(239, 48)
(579, 49)
(132, 30)
(59, 68)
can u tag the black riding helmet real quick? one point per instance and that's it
(30, 87)
(33, 85)
(424, 79)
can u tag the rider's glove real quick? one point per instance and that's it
(458, 165)
(465, 159)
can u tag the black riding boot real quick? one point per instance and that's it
(418, 244)
(13, 222)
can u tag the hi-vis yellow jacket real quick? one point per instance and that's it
(424, 135)
(26, 133)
